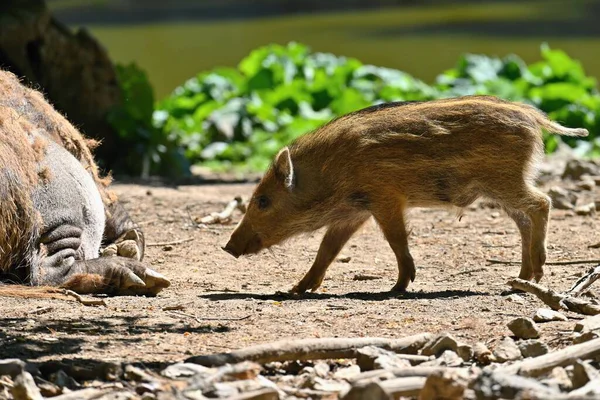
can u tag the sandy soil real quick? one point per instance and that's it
(227, 303)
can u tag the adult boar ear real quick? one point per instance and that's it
(284, 169)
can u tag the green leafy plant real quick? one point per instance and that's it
(153, 151)
(240, 117)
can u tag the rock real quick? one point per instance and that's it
(447, 385)
(494, 385)
(465, 351)
(245, 370)
(447, 359)
(515, 298)
(576, 168)
(328, 385)
(586, 184)
(185, 370)
(532, 348)
(439, 344)
(371, 391)
(347, 372)
(344, 259)
(588, 324)
(583, 372)
(586, 209)
(371, 357)
(25, 389)
(482, 354)
(524, 328)
(507, 350)
(590, 391)
(11, 367)
(562, 199)
(61, 379)
(321, 369)
(132, 373)
(559, 379)
(586, 337)
(390, 362)
(547, 315)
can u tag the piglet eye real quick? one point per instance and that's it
(263, 202)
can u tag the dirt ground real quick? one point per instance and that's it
(226, 303)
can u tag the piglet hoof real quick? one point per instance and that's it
(306, 284)
(538, 276)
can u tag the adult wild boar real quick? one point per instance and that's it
(56, 209)
(381, 160)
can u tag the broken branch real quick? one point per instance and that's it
(555, 300)
(584, 282)
(542, 364)
(311, 349)
(571, 262)
(85, 302)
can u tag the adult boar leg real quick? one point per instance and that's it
(119, 230)
(390, 218)
(335, 238)
(59, 263)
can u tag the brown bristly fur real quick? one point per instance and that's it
(24, 111)
(385, 159)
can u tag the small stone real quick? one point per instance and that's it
(547, 315)
(588, 324)
(586, 337)
(371, 391)
(576, 168)
(347, 372)
(185, 370)
(344, 259)
(586, 209)
(25, 389)
(532, 348)
(515, 298)
(482, 354)
(447, 385)
(524, 328)
(586, 184)
(562, 199)
(583, 372)
(371, 357)
(321, 369)
(447, 359)
(559, 378)
(507, 350)
(465, 351)
(390, 362)
(439, 344)
(11, 367)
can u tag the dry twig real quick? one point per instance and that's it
(555, 300)
(85, 302)
(584, 282)
(225, 215)
(312, 349)
(570, 262)
(172, 243)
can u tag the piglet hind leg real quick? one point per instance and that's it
(60, 266)
(530, 209)
(390, 217)
(335, 238)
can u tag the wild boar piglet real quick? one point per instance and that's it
(381, 160)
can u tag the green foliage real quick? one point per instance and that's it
(152, 151)
(241, 117)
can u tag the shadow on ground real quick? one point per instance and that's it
(365, 296)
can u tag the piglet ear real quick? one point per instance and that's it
(284, 169)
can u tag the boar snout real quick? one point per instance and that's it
(229, 248)
(243, 241)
